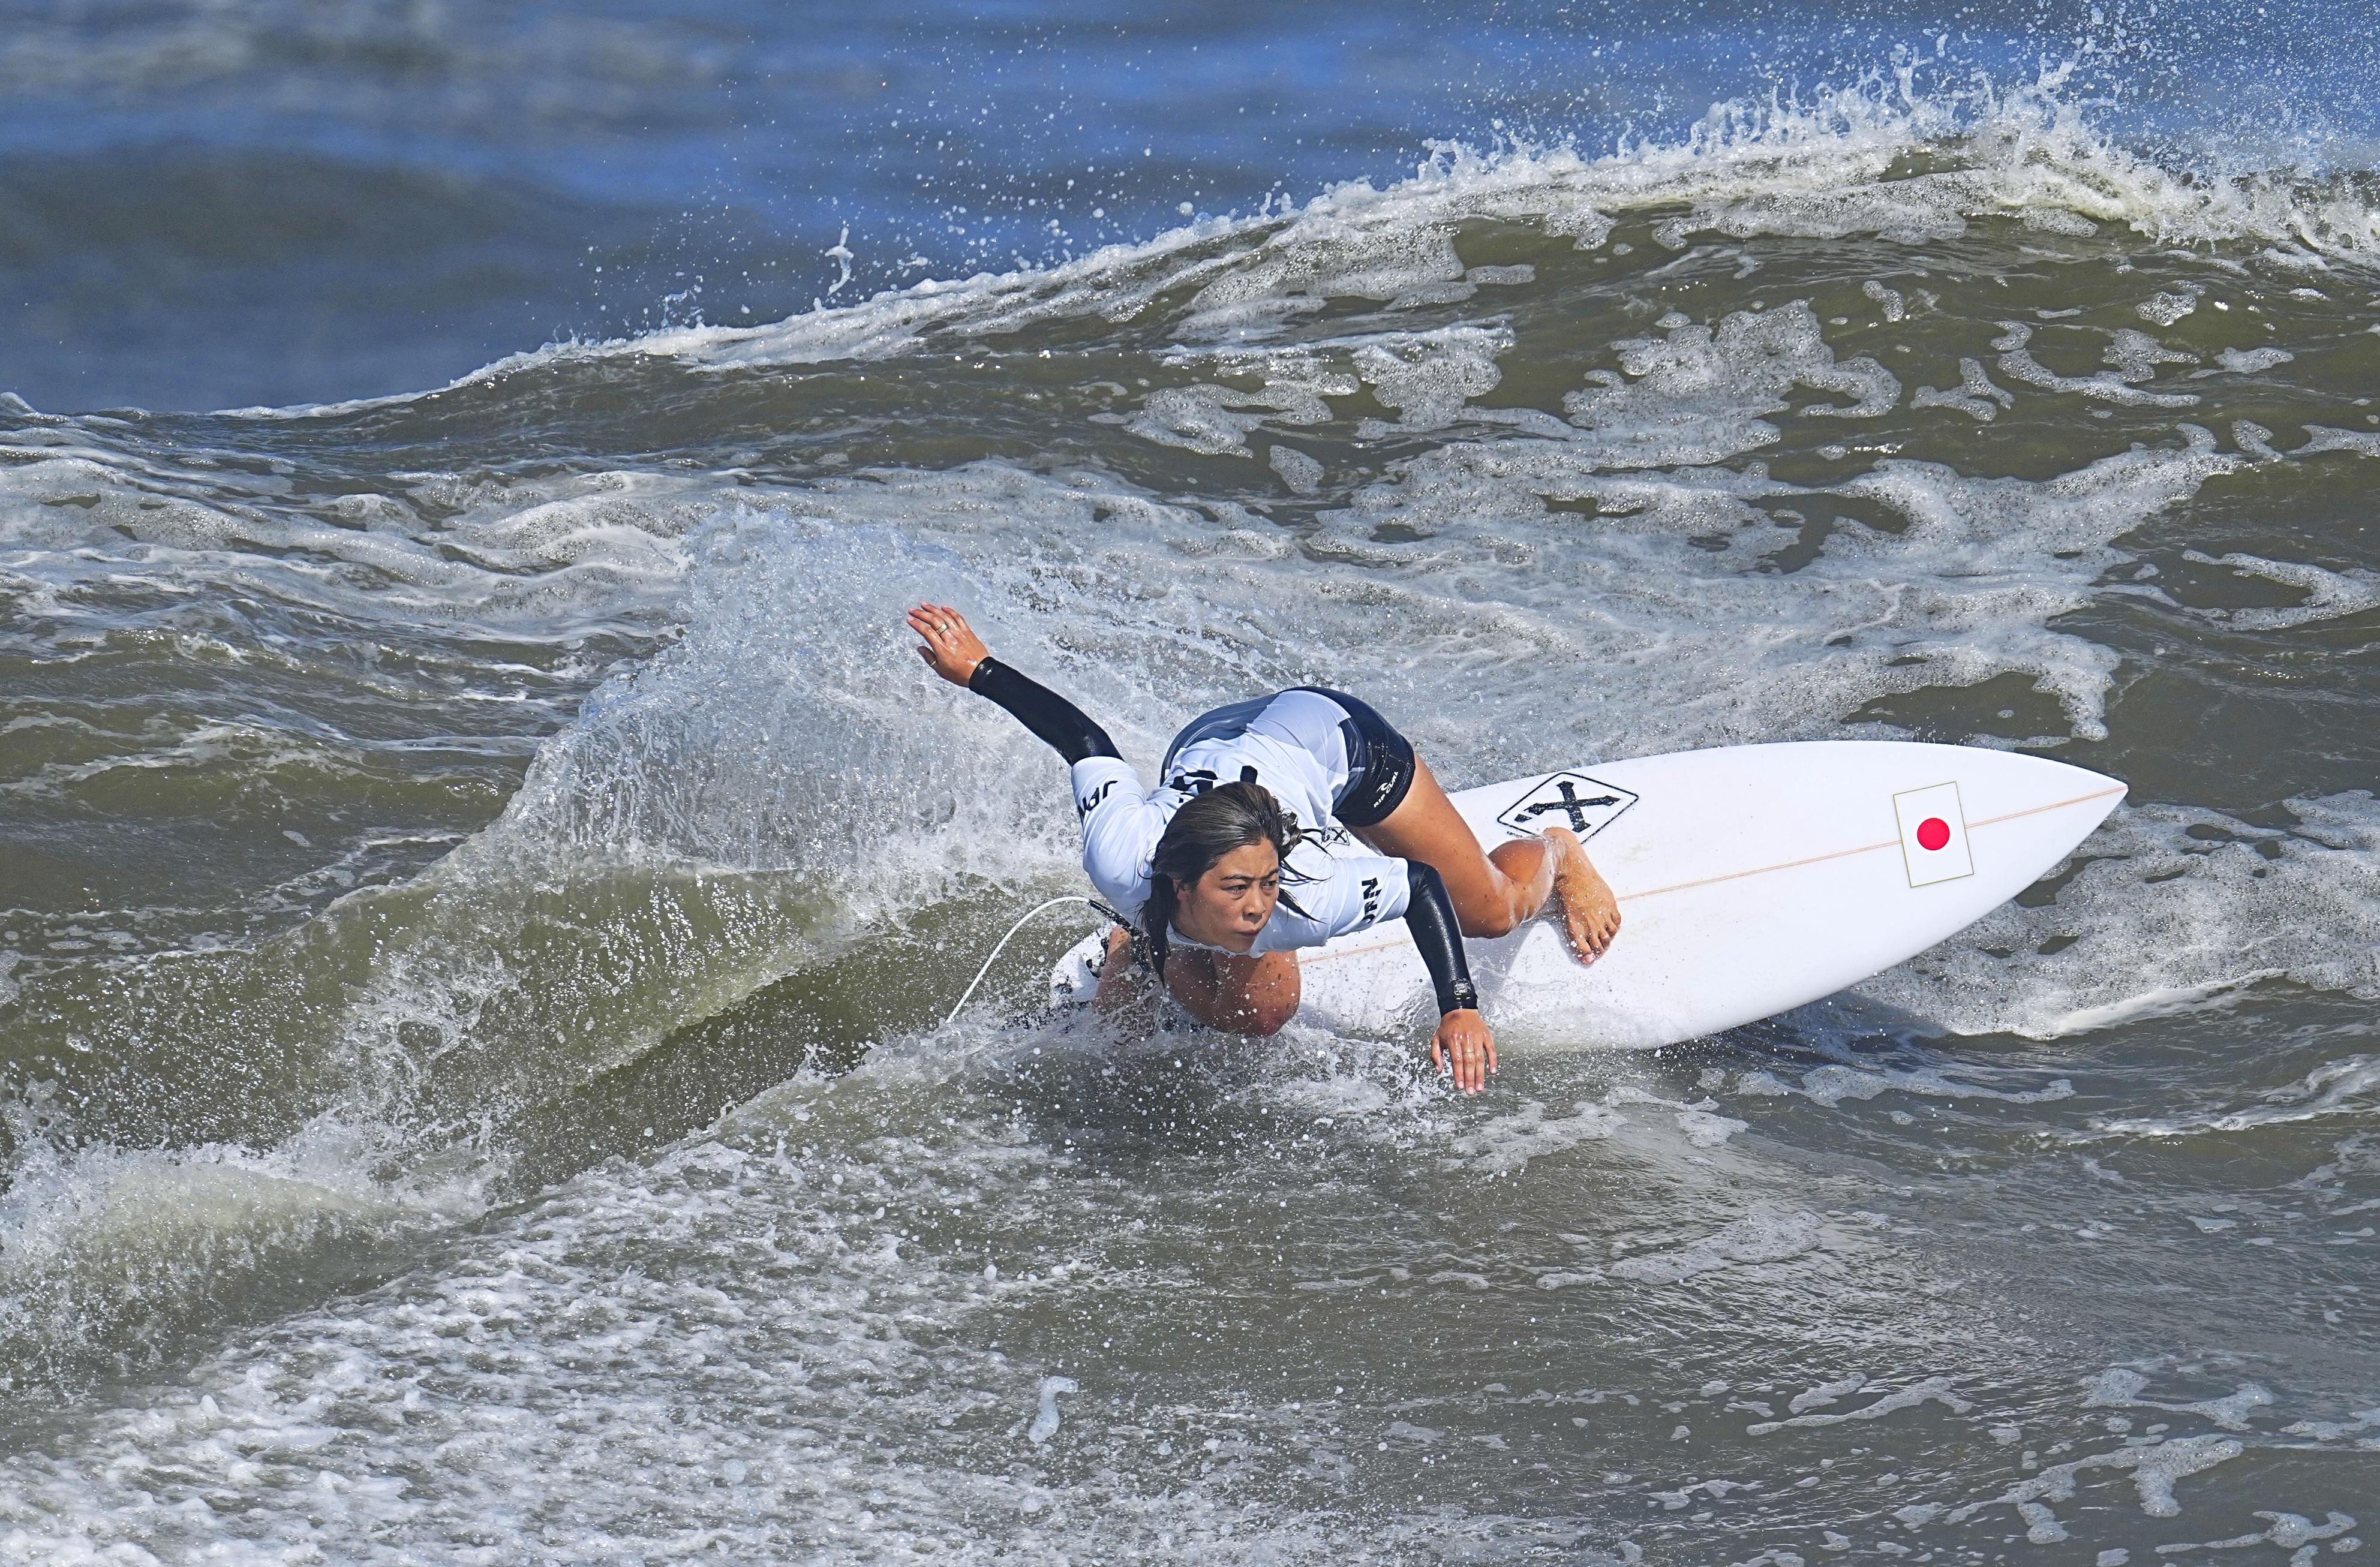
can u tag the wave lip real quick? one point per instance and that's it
(1882, 158)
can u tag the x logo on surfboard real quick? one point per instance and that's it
(1567, 799)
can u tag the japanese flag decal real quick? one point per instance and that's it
(1932, 834)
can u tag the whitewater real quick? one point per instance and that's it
(482, 873)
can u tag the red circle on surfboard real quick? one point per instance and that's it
(1931, 833)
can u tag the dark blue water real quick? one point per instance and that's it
(214, 206)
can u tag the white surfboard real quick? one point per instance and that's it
(1750, 880)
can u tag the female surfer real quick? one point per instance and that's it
(1241, 856)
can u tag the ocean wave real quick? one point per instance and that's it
(1880, 158)
(1384, 438)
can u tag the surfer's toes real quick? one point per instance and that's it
(1591, 934)
(1589, 911)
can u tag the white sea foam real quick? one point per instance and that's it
(2361, 1426)
(2120, 1387)
(2176, 908)
(1978, 396)
(1825, 1394)
(1933, 1390)
(2108, 386)
(1832, 1085)
(1046, 1418)
(2290, 1531)
(1508, 1142)
(2154, 1470)
(2328, 594)
(1706, 1130)
(101, 1243)
(1764, 1237)
(743, 1350)
(83, 506)
(1665, 582)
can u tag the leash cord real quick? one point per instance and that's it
(1001, 945)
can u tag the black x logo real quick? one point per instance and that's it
(1569, 802)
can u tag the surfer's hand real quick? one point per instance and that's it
(1466, 1048)
(951, 649)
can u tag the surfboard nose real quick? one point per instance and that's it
(2094, 794)
(2055, 810)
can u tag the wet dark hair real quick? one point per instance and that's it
(1208, 827)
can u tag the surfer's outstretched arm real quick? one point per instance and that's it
(953, 651)
(1120, 827)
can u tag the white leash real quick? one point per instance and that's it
(968, 994)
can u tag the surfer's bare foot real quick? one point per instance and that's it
(1588, 910)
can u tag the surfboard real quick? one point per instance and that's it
(1751, 879)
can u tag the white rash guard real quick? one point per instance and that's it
(1295, 745)
(1345, 887)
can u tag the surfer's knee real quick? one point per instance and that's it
(1256, 1017)
(1271, 996)
(1258, 1002)
(1265, 996)
(1261, 1020)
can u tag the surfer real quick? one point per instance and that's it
(1241, 855)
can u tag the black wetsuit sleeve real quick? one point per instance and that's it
(1050, 716)
(1429, 915)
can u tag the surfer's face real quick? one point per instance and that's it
(1229, 905)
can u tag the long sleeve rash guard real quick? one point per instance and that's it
(1340, 888)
